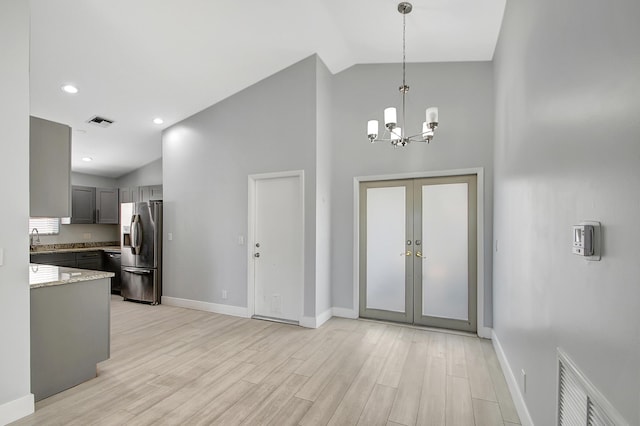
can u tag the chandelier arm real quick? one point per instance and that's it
(417, 135)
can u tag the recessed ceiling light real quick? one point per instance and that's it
(158, 120)
(87, 159)
(70, 89)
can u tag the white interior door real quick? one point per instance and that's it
(278, 248)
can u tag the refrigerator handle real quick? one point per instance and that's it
(137, 271)
(136, 237)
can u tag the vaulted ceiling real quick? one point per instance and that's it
(135, 60)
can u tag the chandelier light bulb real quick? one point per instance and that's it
(390, 118)
(432, 115)
(372, 129)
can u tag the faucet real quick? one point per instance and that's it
(37, 237)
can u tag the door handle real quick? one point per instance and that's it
(407, 253)
(419, 254)
(256, 254)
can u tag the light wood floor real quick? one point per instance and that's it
(177, 366)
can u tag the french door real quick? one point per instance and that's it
(418, 251)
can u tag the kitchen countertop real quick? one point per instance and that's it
(47, 250)
(49, 275)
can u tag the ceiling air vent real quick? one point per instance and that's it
(100, 121)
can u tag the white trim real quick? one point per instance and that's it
(236, 311)
(514, 389)
(16, 409)
(317, 321)
(479, 171)
(251, 236)
(344, 313)
(485, 332)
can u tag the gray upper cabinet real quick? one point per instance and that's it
(49, 168)
(94, 205)
(83, 205)
(135, 194)
(129, 195)
(107, 206)
(151, 193)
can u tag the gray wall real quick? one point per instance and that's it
(149, 174)
(268, 127)
(84, 179)
(567, 149)
(14, 216)
(464, 94)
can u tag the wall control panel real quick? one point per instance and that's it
(586, 240)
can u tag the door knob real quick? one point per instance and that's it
(256, 254)
(407, 253)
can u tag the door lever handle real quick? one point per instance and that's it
(419, 254)
(407, 253)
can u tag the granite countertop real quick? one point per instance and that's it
(49, 275)
(110, 246)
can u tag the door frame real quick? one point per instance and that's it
(482, 330)
(252, 180)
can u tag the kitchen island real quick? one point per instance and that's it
(70, 326)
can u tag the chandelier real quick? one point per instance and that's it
(392, 133)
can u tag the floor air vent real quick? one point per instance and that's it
(100, 121)
(579, 402)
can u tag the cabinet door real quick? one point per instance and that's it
(145, 194)
(151, 193)
(129, 194)
(56, 259)
(107, 206)
(83, 207)
(89, 260)
(155, 193)
(49, 168)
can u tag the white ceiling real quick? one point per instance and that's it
(134, 60)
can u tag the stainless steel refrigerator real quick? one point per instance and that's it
(141, 243)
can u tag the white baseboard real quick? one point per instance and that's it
(344, 313)
(16, 409)
(236, 311)
(514, 389)
(317, 321)
(485, 332)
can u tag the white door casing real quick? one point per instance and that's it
(276, 245)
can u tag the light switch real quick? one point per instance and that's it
(1, 256)
(241, 240)
(170, 236)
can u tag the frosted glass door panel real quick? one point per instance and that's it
(445, 268)
(386, 230)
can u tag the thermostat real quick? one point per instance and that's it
(586, 240)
